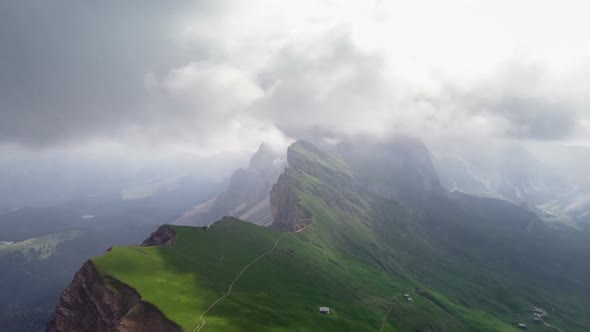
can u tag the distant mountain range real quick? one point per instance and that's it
(363, 228)
(40, 248)
(247, 196)
(558, 195)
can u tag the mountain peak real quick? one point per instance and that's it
(306, 157)
(264, 158)
(247, 193)
(400, 168)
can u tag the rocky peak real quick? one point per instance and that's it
(307, 158)
(247, 193)
(400, 168)
(333, 183)
(265, 158)
(288, 215)
(249, 186)
(163, 236)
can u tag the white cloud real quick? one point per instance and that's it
(219, 88)
(232, 72)
(459, 68)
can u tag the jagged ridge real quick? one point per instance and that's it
(363, 247)
(94, 303)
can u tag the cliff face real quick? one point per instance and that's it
(311, 170)
(287, 214)
(93, 303)
(246, 196)
(307, 158)
(163, 236)
(399, 169)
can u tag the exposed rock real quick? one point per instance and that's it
(399, 169)
(306, 157)
(223, 220)
(246, 196)
(288, 215)
(145, 317)
(163, 236)
(93, 303)
(259, 213)
(329, 179)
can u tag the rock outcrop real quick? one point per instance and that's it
(313, 171)
(307, 158)
(287, 213)
(163, 236)
(247, 194)
(400, 169)
(95, 303)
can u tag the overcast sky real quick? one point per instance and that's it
(216, 76)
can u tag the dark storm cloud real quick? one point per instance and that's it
(530, 103)
(536, 119)
(71, 69)
(208, 73)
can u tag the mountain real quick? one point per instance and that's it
(41, 248)
(400, 169)
(247, 195)
(557, 191)
(509, 172)
(366, 231)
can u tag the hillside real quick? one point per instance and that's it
(342, 239)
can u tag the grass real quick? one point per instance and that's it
(283, 290)
(360, 251)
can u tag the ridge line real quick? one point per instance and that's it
(201, 317)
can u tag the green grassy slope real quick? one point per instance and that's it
(281, 292)
(360, 252)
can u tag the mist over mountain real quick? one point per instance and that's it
(247, 194)
(294, 166)
(465, 262)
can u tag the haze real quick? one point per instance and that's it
(118, 117)
(185, 80)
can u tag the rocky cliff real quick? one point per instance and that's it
(310, 170)
(163, 236)
(247, 194)
(399, 169)
(95, 303)
(287, 213)
(307, 158)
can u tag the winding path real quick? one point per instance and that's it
(394, 302)
(541, 316)
(202, 316)
(551, 326)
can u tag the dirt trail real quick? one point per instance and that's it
(547, 324)
(550, 326)
(393, 303)
(202, 316)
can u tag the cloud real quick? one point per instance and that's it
(328, 84)
(212, 88)
(525, 101)
(73, 72)
(222, 75)
(535, 119)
